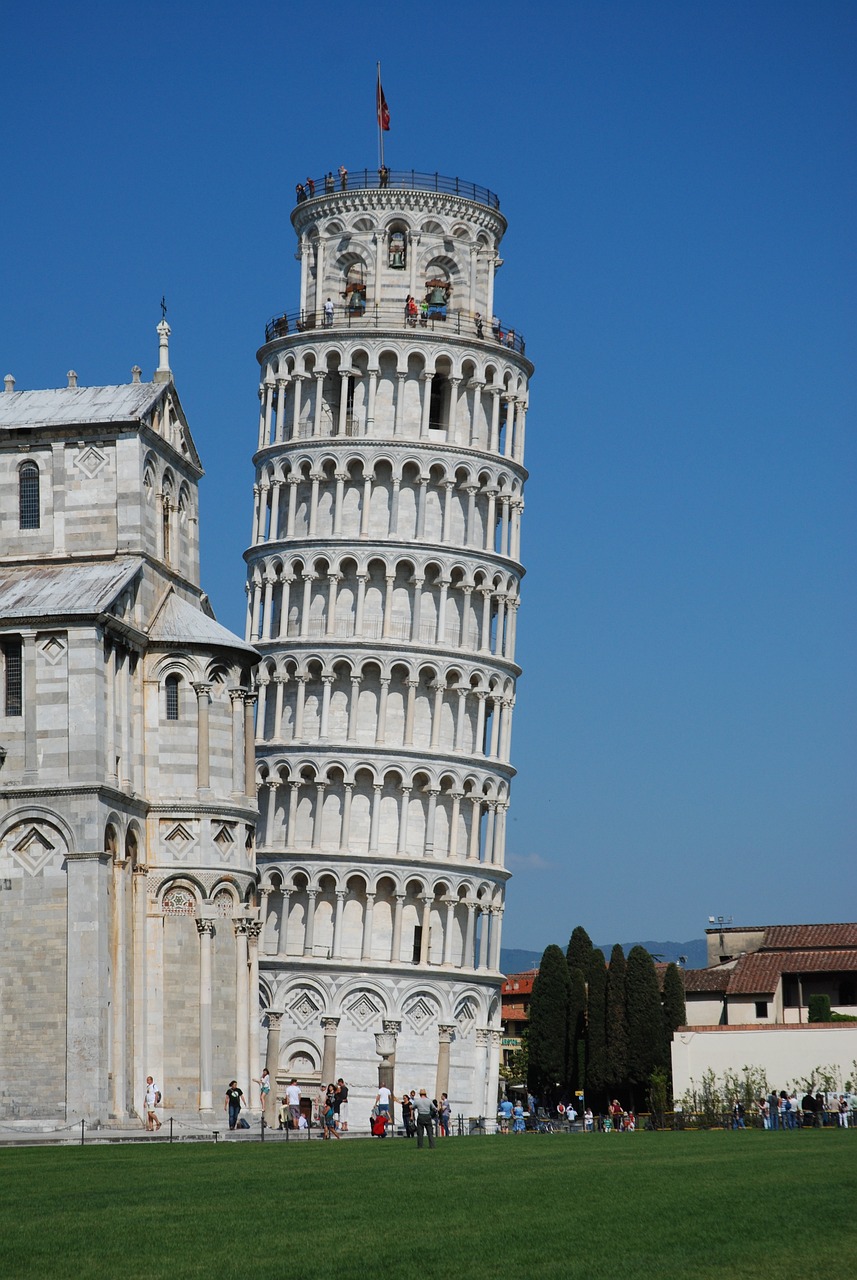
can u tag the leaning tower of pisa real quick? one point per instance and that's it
(383, 591)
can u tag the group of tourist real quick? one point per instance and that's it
(783, 1110)
(306, 190)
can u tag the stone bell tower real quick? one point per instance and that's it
(383, 582)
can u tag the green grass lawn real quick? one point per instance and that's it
(735, 1206)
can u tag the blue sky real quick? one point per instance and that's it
(679, 180)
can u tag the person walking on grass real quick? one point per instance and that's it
(425, 1119)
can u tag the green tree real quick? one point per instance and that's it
(819, 1009)
(675, 1012)
(547, 1037)
(617, 1022)
(645, 1019)
(575, 1073)
(579, 950)
(596, 1028)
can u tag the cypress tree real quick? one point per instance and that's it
(645, 1019)
(617, 1022)
(576, 1030)
(548, 1024)
(675, 1012)
(596, 1028)
(579, 950)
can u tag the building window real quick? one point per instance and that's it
(29, 513)
(13, 677)
(761, 1008)
(418, 943)
(171, 684)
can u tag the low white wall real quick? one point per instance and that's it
(784, 1053)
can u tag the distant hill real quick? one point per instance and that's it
(516, 961)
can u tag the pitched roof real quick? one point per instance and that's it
(759, 972)
(798, 936)
(71, 405)
(63, 590)
(699, 981)
(178, 622)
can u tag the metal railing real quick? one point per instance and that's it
(394, 179)
(435, 319)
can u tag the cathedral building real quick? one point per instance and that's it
(127, 798)
(383, 591)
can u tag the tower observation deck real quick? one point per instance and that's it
(383, 590)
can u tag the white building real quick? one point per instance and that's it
(127, 851)
(750, 1007)
(383, 583)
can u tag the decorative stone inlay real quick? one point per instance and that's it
(53, 649)
(224, 903)
(177, 838)
(304, 1008)
(465, 1016)
(179, 902)
(420, 1012)
(33, 850)
(226, 842)
(364, 1008)
(90, 461)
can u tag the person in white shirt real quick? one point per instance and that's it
(382, 1102)
(153, 1097)
(293, 1101)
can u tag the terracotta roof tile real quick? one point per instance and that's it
(697, 981)
(780, 937)
(758, 972)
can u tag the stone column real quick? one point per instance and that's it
(426, 380)
(351, 733)
(203, 752)
(249, 746)
(385, 1047)
(236, 697)
(492, 1074)
(328, 1060)
(337, 924)
(381, 727)
(309, 931)
(362, 579)
(318, 815)
(333, 581)
(271, 809)
(457, 796)
(264, 891)
(425, 936)
(366, 949)
(254, 929)
(272, 1062)
(119, 993)
(291, 511)
(483, 939)
(468, 959)
(327, 686)
(399, 417)
(444, 1039)
(475, 820)
(410, 708)
(282, 383)
(319, 401)
(393, 520)
(431, 815)
(242, 1015)
(345, 829)
(366, 506)
(448, 932)
(440, 634)
(205, 929)
(297, 378)
(497, 916)
(341, 477)
(437, 713)
(291, 832)
(87, 988)
(402, 846)
(375, 819)
(398, 912)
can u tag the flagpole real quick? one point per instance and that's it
(378, 115)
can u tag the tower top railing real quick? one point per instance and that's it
(393, 179)
(434, 319)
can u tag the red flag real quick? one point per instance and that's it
(383, 109)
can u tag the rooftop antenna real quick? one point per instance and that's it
(722, 922)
